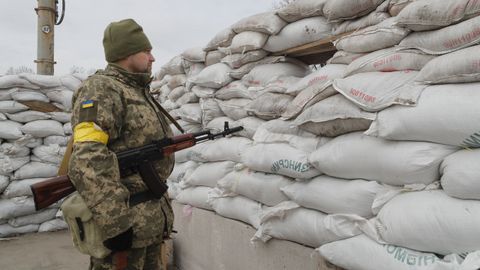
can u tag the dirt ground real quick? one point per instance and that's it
(41, 251)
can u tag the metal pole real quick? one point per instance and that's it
(45, 36)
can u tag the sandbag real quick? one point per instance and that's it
(343, 57)
(43, 81)
(257, 186)
(53, 225)
(11, 81)
(224, 149)
(354, 156)
(445, 40)
(250, 125)
(194, 54)
(260, 75)
(214, 57)
(279, 158)
(396, 6)
(221, 39)
(208, 174)
(195, 196)
(235, 89)
(299, 9)
(269, 105)
(10, 106)
(176, 81)
(51, 153)
(61, 96)
(349, 9)
(27, 116)
(444, 114)
(4, 182)
(16, 207)
(457, 67)
(299, 33)
(390, 59)
(182, 168)
(43, 128)
(174, 66)
(238, 73)
(236, 207)
(375, 91)
(214, 76)
(431, 14)
(266, 22)
(7, 229)
(239, 59)
(334, 116)
(234, 108)
(29, 95)
(246, 41)
(372, 18)
(210, 110)
(10, 130)
(334, 195)
(191, 113)
(36, 170)
(321, 78)
(36, 218)
(54, 139)
(460, 174)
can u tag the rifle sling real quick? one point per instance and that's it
(141, 197)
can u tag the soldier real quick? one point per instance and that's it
(113, 111)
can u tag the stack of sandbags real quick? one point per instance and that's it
(33, 143)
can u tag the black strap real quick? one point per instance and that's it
(141, 198)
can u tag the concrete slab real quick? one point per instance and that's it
(206, 240)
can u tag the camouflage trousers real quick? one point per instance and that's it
(147, 258)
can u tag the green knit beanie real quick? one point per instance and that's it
(124, 38)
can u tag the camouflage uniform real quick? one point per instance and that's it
(113, 111)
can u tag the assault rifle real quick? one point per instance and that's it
(130, 161)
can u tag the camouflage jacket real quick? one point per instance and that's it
(113, 111)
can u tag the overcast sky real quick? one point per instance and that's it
(171, 25)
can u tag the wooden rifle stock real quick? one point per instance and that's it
(50, 191)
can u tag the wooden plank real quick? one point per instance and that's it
(41, 106)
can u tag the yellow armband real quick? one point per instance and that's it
(89, 132)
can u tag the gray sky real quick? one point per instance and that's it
(171, 25)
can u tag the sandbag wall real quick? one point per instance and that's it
(369, 156)
(34, 130)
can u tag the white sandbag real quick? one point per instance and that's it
(61, 96)
(44, 81)
(260, 75)
(214, 76)
(354, 156)
(21, 187)
(239, 59)
(234, 108)
(266, 22)
(36, 218)
(214, 57)
(7, 230)
(390, 59)
(203, 92)
(236, 207)
(169, 105)
(269, 105)
(383, 35)
(281, 84)
(279, 158)
(67, 129)
(280, 131)
(396, 6)
(177, 80)
(457, 67)
(196, 54)
(182, 168)
(243, 70)
(10, 106)
(218, 124)
(429, 221)
(174, 66)
(29, 95)
(51, 153)
(299, 33)
(14, 150)
(28, 141)
(4, 182)
(6, 94)
(16, 207)
(362, 253)
(431, 14)
(257, 186)
(343, 57)
(246, 41)
(190, 113)
(224, 149)
(349, 9)
(11, 81)
(308, 97)
(208, 174)
(71, 82)
(53, 225)
(195, 196)
(334, 116)
(291, 222)
(43, 128)
(444, 114)
(299, 9)
(250, 125)
(445, 40)
(210, 110)
(320, 78)
(27, 116)
(36, 169)
(186, 98)
(370, 19)
(9, 164)
(194, 69)
(221, 39)
(375, 91)
(334, 195)
(10, 130)
(54, 139)
(235, 89)
(460, 174)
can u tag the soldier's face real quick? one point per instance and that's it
(141, 62)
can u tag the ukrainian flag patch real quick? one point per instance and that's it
(87, 104)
